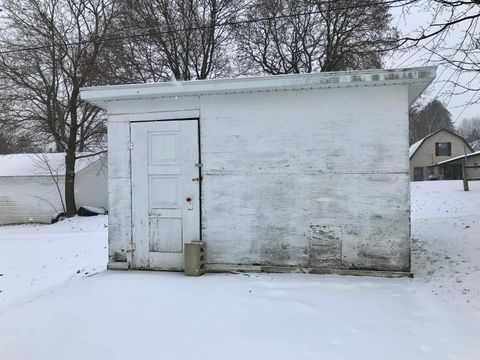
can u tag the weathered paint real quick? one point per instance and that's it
(326, 246)
(277, 165)
(165, 196)
(416, 79)
(119, 191)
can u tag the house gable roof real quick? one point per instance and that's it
(417, 79)
(414, 147)
(36, 164)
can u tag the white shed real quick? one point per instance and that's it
(273, 173)
(28, 193)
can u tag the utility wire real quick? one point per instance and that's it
(149, 31)
(467, 105)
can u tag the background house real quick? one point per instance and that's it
(29, 194)
(434, 148)
(262, 170)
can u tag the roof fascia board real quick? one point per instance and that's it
(422, 76)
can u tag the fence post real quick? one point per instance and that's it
(464, 175)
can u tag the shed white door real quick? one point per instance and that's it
(165, 192)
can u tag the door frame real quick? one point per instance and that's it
(415, 178)
(158, 120)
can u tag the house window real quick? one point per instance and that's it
(443, 149)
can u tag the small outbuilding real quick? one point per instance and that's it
(32, 186)
(273, 173)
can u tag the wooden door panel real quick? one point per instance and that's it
(165, 197)
(164, 192)
(165, 235)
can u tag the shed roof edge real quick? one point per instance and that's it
(419, 77)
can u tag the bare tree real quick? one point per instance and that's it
(320, 36)
(42, 162)
(50, 49)
(6, 143)
(182, 39)
(13, 143)
(469, 128)
(451, 37)
(427, 119)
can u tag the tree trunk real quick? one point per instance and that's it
(71, 154)
(70, 205)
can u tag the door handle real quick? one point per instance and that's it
(190, 203)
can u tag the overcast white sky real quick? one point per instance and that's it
(440, 88)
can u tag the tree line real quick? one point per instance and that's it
(432, 116)
(52, 48)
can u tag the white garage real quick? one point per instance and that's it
(276, 173)
(29, 191)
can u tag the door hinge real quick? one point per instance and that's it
(130, 145)
(132, 247)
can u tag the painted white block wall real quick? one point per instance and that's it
(305, 176)
(275, 164)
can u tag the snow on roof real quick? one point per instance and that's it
(39, 164)
(414, 147)
(458, 158)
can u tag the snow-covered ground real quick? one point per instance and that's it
(35, 259)
(51, 307)
(446, 240)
